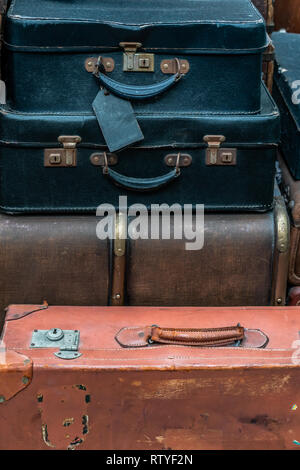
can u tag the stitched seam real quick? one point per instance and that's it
(169, 347)
(61, 209)
(151, 114)
(62, 49)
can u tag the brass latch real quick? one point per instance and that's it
(63, 157)
(134, 61)
(215, 155)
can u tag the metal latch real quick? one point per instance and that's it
(63, 157)
(66, 340)
(134, 61)
(215, 155)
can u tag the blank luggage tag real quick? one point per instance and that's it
(117, 121)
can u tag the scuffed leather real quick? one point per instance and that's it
(187, 24)
(287, 73)
(27, 186)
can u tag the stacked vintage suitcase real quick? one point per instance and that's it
(287, 94)
(160, 103)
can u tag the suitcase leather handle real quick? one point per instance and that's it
(136, 92)
(207, 337)
(141, 184)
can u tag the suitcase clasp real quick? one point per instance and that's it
(63, 157)
(216, 155)
(134, 61)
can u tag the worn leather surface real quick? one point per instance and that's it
(27, 186)
(192, 23)
(15, 373)
(287, 71)
(224, 47)
(146, 398)
(64, 262)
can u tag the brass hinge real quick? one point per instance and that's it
(134, 61)
(63, 157)
(216, 155)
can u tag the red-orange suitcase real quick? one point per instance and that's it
(105, 378)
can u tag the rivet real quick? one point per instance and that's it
(183, 66)
(279, 301)
(108, 64)
(90, 63)
(118, 296)
(170, 160)
(166, 66)
(2, 399)
(96, 159)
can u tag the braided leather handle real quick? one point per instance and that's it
(141, 337)
(197, 337)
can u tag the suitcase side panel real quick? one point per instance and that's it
(67, 87)
(84, 187)
(58, 259)
(233, 245)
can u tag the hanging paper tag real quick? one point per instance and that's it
(117, 121)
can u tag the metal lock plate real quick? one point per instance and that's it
(134, 61)
(216, 156)
(63, 157)
(66, 340)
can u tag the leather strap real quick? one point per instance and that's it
(135, 337)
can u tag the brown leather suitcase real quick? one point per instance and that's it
(60, 259)
(291, 191)
(104, 378)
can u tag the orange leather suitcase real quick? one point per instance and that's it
(105, 378)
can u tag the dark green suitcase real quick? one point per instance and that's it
(51, 47)
(59, 163)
